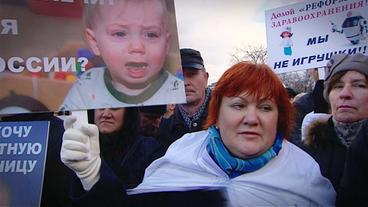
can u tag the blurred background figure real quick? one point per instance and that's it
(150, 119)
(170, 108)
(292, 93)
(298, 96)
(123, 149)
(190, 116)
(308, 102)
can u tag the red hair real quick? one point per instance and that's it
(259, 81)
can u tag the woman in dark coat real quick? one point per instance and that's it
(353, 186)
(346, 90)
(123, 149)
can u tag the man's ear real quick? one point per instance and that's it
(207, 76)
(91, 40)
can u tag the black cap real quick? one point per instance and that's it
(191, 58)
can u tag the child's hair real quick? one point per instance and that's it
(90, 11)
(282, 34)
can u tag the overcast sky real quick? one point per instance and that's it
(217, 27)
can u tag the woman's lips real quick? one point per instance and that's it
(345, 107)
(251, 134)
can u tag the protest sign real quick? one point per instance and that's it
(46, 50)
(305, 35)
(22, 162)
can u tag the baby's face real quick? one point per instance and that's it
(133, 40)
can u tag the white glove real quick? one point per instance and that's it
(80, 151)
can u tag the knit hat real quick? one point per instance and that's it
(344, 62)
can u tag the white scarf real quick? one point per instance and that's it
(291, 178)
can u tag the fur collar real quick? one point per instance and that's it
(317, 133)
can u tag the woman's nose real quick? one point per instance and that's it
(250, 116)
(106, 113)
(346, 92)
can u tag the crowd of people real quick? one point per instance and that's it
(240, 157)
(229, 146)
(241, 143)
(233, 145)
(249, 141)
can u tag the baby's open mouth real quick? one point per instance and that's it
(136, 64)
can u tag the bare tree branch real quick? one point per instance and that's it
(299, 80)
(256, 54)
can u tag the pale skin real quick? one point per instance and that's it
(133, 40)
(247, 126)
(349, 98)
(109, 120)
(195, 82)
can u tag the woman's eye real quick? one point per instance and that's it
(266, 108)
(238, 106)
(337, 86)
(360, 85)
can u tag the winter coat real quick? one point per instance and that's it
(322, 143)
(353, 187)
(130, 165)
(188, 176)
(175, 127)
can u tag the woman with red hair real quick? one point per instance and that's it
(243, 154)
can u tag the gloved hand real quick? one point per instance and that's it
(80, 151)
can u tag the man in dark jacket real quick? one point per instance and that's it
(188, 117)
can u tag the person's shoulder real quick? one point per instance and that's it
(313, 120)
(300, 158)
(148, 142)
(148, 146)
(293, 149)
(193, 139)
(92, 74)
(317, 131)
(361, 140)
(303, 99)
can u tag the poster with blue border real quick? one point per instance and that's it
(23, 148)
